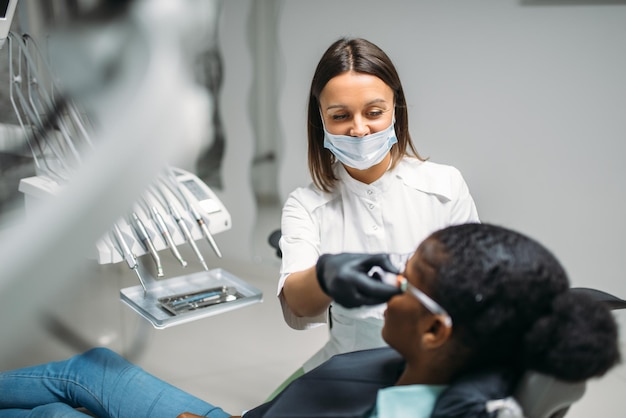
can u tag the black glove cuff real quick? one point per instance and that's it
(319, 273)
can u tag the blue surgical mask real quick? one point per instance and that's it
(361, 152)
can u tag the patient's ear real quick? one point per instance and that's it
(437, 332)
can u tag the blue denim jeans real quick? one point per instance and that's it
(100, 381)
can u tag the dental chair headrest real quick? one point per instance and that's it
(543, 396)
(498, 394)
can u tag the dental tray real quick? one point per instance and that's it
(187, 298)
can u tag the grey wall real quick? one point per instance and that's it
(527, 100)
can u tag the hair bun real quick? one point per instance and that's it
(574, 342)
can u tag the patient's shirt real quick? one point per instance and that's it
(416, 401)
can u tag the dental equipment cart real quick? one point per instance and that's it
(177, 209)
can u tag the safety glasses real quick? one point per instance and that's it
(427, 301)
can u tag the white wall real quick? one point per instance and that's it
(528, 101)
(234, 99)
(262, 38)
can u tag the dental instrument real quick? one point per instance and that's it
(165, 232)
(142, 233)
(181, 224)
(169, 180)
(128, 255)
(205, 229)
(189, 198)
(387, 277)
(177, 304)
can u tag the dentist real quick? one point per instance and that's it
(371, 193)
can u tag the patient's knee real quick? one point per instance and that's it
(100, 353)
(100, 361)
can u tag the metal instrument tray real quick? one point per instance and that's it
(156, 305)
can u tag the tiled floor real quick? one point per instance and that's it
(234, 359)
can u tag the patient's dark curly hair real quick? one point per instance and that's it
(510, 304)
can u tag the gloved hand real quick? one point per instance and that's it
(344, 278)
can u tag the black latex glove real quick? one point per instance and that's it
(344, 278)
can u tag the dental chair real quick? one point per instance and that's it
(536, 395)
(542, 396)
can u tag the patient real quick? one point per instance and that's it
(496, 299)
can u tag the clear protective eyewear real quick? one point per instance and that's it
(400, 281)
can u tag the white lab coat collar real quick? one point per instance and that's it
(420, 175)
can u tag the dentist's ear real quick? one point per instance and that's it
(438, 331)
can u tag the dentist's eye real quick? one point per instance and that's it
(339, 117)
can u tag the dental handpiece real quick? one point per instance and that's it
(183, 193)
(188, 237)
(140, 228)
(179, 219)
(158, 219)
(128, 255)
(205, 230)
(181, 224)
(156, 192)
